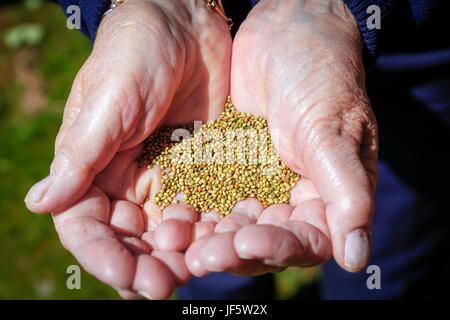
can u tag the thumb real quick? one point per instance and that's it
(86, 148)
(340, 157)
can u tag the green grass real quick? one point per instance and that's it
(32, 261)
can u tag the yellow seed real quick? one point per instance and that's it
(218, 186)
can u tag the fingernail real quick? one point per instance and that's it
(145, 295)
(356, 249)
(38, 190)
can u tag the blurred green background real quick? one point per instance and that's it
(39, 58)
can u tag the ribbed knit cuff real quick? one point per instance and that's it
(371, 36)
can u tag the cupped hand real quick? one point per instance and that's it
(299, 64)
(154, 63)
(112, 235)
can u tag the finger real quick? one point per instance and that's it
(126, 218)
(174, 261)
(72, 108)
(88, 146)
(201, 228)
(316, 246)
(149, 238)
(138, 184)
(173, 235)
(250, 207)
(94, 205)
(218, 255)
(313, 212)
(210, 216)
(129, 295)
(233, 222)
(94, 244)
(333, 161)
(270, 244)
(134, 245)
(182, 212)
(153, 215)
(275, 214)
(290, 244)
(153, 279)
(192, 257)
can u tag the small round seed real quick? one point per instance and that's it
(219, 185)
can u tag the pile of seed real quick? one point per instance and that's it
(222, 178)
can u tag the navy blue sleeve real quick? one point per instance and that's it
(91, 13)
(359, 8)
(406, 25)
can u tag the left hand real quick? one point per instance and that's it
(111, 236)
(299, 65)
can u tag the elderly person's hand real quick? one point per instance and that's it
(299, 64)
(154, 62)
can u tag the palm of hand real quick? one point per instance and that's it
(113, 236)
(310, 87)
(149, 74)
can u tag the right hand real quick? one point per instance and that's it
(154, 62)
(299, 65)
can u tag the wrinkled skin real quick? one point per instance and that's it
(154, 62)
(296, 63)
(299, 65)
